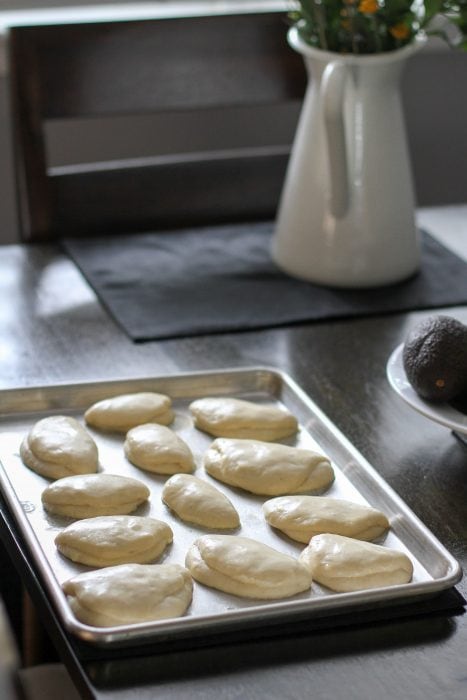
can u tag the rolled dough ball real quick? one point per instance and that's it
(246, 568)
(158, 449)
(121, 413)
(303, 517)
(267, 469)
(129, 594)
(198, 502)
(59, 446)
(344, 564)
(109, 540)
(90, 495)
(237, 418)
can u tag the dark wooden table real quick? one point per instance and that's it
(53, 330)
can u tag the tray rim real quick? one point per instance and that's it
(182, 626)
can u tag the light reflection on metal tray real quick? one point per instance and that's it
(211, 611)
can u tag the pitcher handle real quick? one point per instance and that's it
(332, 94)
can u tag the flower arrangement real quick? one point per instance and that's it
(372, 26)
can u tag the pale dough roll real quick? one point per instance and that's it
(158, 449)
(237, 418)
(246, 568)
(59, 446)
(303, 517)
(114, 539)
(198, 502)
(90, 495)
(121, 413)
(267, 469)
(345, 564)
(129, 594)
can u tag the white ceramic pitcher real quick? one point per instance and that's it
(346, 215)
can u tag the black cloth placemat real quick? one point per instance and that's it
(219, 279)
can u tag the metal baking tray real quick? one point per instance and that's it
(211, 611)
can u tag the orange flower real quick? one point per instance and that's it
(368, 7)
(399, 31)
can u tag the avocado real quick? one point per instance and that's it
(460, 403)
(435, 358)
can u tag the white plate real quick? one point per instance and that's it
(441, 413)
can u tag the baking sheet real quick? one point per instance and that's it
(211, 610)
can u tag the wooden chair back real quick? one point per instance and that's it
(167, 67)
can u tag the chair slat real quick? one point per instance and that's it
(168, 195)
(136, 67)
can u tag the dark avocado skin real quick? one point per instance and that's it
(435, 358)
(460, 403)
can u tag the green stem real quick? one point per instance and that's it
(378, 43)
(352, 31)
(321, 23)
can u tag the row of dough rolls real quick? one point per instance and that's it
(242, 456)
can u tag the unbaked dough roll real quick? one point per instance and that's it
(267, 469)
(59, 446)
(344, 564)
(158, 449)
(237, 418)
(303, 517)
(198, 502)
(246, 568)
(121, 413)
(114, 539)
(90, 495)
(129, 594)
